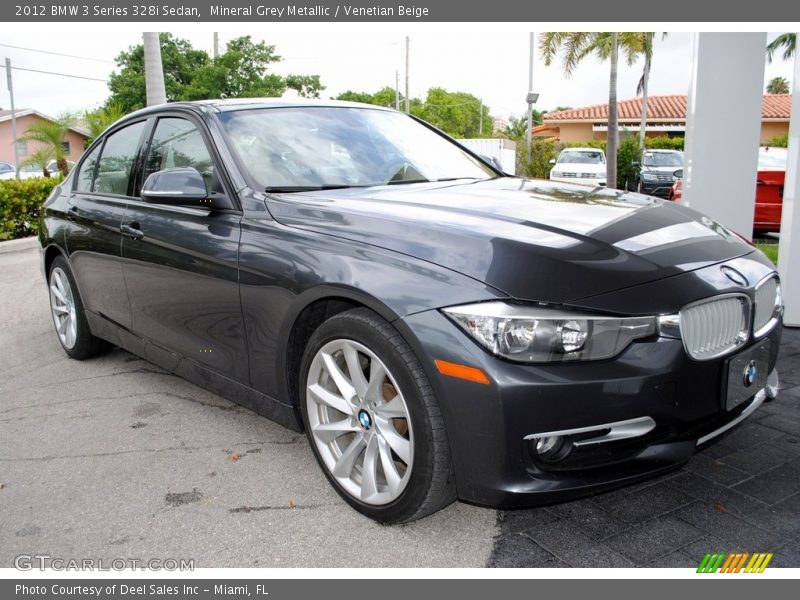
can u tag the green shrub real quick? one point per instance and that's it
(664, 143)
(780, 141)
(21, 205)
(627, 152)
(542, 152)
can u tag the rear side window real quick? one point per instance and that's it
(116, 161)
(88, 170)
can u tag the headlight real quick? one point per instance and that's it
(555, 173)
(535, 334)
(647, 176)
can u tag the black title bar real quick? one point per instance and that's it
(413, 11)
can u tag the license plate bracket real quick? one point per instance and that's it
(747, 374)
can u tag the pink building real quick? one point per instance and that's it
(75, 138)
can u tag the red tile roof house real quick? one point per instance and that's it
(75, 138)
(666, 116)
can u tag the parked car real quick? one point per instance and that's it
(31, 171)
(580, 165)
(438, 329)
(7, 170)
(652, 173)
(769, 189)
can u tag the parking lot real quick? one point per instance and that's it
(114, 458)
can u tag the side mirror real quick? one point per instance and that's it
(678, 174)
(552, 161)
(180, 186)
(635, 163)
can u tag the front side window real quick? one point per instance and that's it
(116, 161)
(178, 143)
(317, 147)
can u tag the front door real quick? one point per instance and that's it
(181, 264)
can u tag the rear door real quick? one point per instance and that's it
(95, 209)
(181, 264)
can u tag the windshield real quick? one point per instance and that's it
(294, 149)
(772, 160)
(582, 157)
(663, 159)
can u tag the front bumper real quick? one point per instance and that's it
(492, 428)
(593, 181)
(660, 189)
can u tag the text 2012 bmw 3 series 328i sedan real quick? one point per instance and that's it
(441, 331)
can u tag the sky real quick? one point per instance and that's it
(489, 62)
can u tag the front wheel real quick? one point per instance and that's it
(372, 419)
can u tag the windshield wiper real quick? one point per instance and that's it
(287, 189)
(405, 181)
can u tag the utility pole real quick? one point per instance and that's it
(10, 82)
(216, 45)
(396, 89)
(408, 107)
(530, 99)
(153, 69)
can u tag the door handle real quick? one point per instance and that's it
(73, 213)
(132, 231)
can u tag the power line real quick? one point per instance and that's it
(54, 73)
(57, 53)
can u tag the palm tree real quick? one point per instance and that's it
(575, 46)
(99, 119)
(787, 41)
(41, 158)
(51, 135)
(778, 85)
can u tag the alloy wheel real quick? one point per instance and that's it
(359, 422)
(62, 306)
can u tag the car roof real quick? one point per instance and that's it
(665, 150)
(230, 104)
(582, 149)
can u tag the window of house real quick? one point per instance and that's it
(22, 148)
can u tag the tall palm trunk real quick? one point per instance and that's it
(645, 79)
(613, 119)
(153, 69)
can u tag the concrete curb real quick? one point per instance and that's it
(19, 245)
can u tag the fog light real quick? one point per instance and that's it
(552, 448)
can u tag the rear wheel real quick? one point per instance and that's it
(66, 308)
(372, 420)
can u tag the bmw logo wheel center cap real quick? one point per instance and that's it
(750, 373)
(365, 419)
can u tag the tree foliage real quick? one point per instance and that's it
(456, 113)
(51, 134)
(99, 119)
(785, 41)
(241, 71)
(778, 85)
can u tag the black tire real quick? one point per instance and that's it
(431, 484)
(85, 344)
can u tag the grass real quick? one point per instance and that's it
(769, 248)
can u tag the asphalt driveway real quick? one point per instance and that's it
(114, 458)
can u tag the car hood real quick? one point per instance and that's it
(534, 240)
(580, 167)
(669, 170)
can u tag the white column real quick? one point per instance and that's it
(789, 250)
(723, 127)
